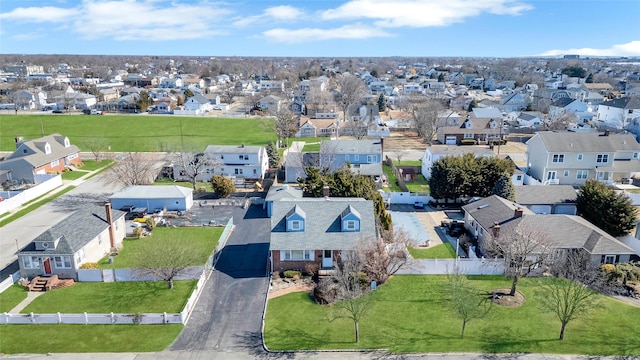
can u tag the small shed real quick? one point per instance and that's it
(154, 197)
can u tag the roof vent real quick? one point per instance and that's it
(483, 206)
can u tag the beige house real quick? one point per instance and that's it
(569, 158)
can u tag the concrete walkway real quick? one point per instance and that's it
(31, 295)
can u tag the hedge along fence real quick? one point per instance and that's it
(115, 319)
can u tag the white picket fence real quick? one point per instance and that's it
(394, 198)
(6, 283)
(13, 199)
(477, 266)
(111, 318)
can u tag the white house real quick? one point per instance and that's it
(619, 113)
(240, 162)
(198, 104)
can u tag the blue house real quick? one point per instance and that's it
(363, 156)
(154, 197)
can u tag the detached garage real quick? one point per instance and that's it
(154, 197)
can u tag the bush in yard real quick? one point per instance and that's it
(89, 265)
(151, 224)
(468, 142)
(137, 232)
(290, 274)
(222, 186)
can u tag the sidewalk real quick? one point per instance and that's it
(31, 295)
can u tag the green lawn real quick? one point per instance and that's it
(442, 251)
(391, 178)
(161, 133)
(413, 314)
(311, 147)
(41, 339)
(119, 297)
(206, 185)
(203, 239)
(408, 163)
(418, 185)
(12, 297)
(73, 175)
(90, 165)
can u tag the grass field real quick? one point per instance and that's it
(408, 163)
(118, 297)
(413, 314)
(91, 165)
(73, 175)
(12, 297)
(203, 239)
(15, 339)
(391, 178)
(138, 133)
(442, 251)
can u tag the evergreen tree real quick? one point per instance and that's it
(274, 156)
(504, 188)
(222, 186)
(188, 93)
(606, 209)
(473, 104)
(441, 77)
(382, 103)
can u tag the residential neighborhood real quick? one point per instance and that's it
(266, 196)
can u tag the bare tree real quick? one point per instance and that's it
(386, 255)
(468, 302)
(192, 165)
(164, 262)
(352, 91)
(132, 169)
(317, 100)
(568, 300)
(354, 304)
(425, 113)
(357, 129)
(523, 247)
(286, 123)
(97, 146)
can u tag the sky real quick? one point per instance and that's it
(322, 28)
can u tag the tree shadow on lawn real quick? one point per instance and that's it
(71, 202)
(402, 337)
(613, 345)
(505, 339)
(303, 340)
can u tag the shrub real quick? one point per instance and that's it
(222, 186)
(137, 232)
(89, 265)
(609, 268)
(290, 274)
(151, 224)
(311, 269)
(468, 142)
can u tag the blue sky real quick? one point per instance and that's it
(333, 28)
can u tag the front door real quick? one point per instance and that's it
(327, 259)
(47, 266)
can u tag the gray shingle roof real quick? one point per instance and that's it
(562, 102)
(153, 192)
(587, 142)
(322, 224)
(459, 150)
(544, 195)
(623, 103)
(487, 113)
(351, 147)
(232, 149)
(283, 192)
(493, 209)
(75, 231)
(35, 150)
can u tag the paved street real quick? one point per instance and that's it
(228, 315)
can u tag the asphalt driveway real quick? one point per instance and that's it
(228, 315)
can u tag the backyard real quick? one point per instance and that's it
(203, 239)
(442, 251)
(12, 297)
(199, 185)
(413, 314)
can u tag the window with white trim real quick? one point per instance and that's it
(72, 156)
(582, 174)
(635, 155)
(602, 158)
(468, 136)
(100, 239)
(580, 157)
(62, 262)
(609, 259)
(238, 171)
(558, 158)
(55, 163)
(296, 225)
(356, 157)
(31, 262)
(80, 256)
(565, 173)
(296, 255)
(372, 159)
(351, 224)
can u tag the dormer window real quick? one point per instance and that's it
(47, 148)
(350, 219)
(295, 219)
(296, 225)
(66, 142)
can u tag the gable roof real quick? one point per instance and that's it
(33, 151)
(322, 224)
(233, 149)
(567, 141)
(487, 113)
(153, 192)
(283, 192)
(75, 231)
(563, 102)
(543, 195)
(351, 147)
(623, 103)
(494, 209)
(453, 150)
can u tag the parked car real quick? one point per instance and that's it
(456, 228)
(418, 205)
(58, 112)
(138, 212)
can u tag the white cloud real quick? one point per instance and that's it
(39, 14)
(422, 13)
(276, 13)
(631, 48)
(145, 20)
(356, 31)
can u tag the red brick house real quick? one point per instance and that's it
(46, 155)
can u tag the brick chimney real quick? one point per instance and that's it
(325, 191)
(518, 213)
(495, 229)
(112, 236)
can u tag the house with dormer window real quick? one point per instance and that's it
(479, 130)
(317, 230)
(46, 155)
(241, 162)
